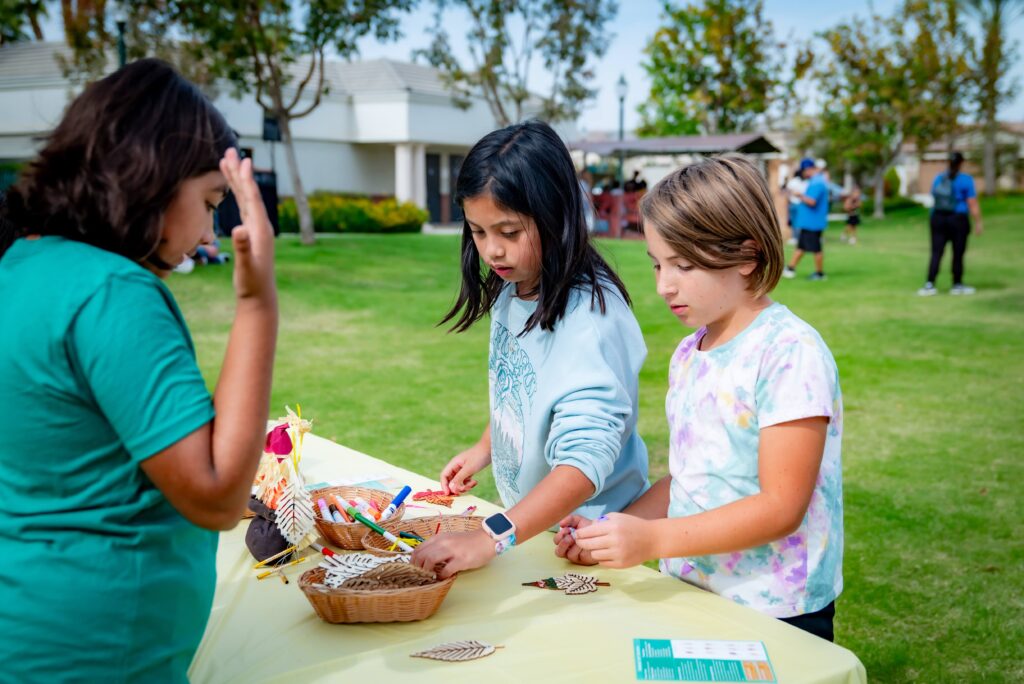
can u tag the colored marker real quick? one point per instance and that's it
(323, 549)
(379, 530)
(396, 502)
(363, 507)
(335, 514)
(341, 508)
(411, 535)
(325, 513)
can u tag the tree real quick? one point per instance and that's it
(715, 67)
(993, 65)
(887, 80)
(566, 33)
(16, 14)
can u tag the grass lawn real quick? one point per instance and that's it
(933, 388)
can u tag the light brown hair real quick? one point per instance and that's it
(707, 211)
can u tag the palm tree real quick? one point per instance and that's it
(994, 18)
(14, 16)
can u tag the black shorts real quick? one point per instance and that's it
(853, 219)
(819, 623)
(809, 241)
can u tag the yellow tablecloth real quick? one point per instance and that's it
(267, 631)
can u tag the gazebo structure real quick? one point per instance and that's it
(623, 205)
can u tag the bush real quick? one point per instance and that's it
(343, 213)
(891, 183)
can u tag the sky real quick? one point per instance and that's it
(636, 22)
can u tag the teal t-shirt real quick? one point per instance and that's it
(101, 579)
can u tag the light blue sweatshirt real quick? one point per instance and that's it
(567, 397)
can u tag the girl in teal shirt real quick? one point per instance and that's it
(115, 471)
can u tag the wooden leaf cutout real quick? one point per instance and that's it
(456, 651)
(340, 568)
(438, 498)
(571, 583)
(295, 510)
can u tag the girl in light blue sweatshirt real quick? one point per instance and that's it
(565, 350)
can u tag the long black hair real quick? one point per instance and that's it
(112, 166)
(526, 169)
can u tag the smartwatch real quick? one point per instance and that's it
(501, 530)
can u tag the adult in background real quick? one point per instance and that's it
(795, 187)
(953, 192)
(811, 220)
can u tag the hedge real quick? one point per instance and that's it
(341, 213)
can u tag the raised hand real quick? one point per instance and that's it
(253, 240)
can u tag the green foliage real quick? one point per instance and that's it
(20, 20)
(337, 213)
(714, 68)
(569, 35)
(893, 203)
(892, 183)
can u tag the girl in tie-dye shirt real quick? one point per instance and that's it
(752, 509)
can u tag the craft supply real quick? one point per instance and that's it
(363, 507)
(396, 502)
(335, 514)
(457, 651)
(279, 568)
(469, 511)
(325, 513)
(438, 498)
(274, 557)
(323, 549)
(379, 530)
(411, 535)
(341, 509)
(571, 583)
(690, 660)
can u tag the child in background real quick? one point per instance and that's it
(752, 509)
(115, 475)
(851, 205)
(565, 350)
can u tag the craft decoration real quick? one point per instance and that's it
(342, 567)
(391, 576)
(571, 583)
(457, 651)
(438, 498)
(280, 487)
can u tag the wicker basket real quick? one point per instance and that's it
(343, 605)
(349, 535)
(425, 527)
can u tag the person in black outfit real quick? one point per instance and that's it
(954, 196)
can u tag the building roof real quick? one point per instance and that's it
(35, 65)
(750, 143)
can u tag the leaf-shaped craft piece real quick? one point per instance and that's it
(571, 583)
(456, 651)
(295, 510)
(391, 576)
(438, 498)
(342, 567)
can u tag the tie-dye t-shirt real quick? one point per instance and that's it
(776, 370)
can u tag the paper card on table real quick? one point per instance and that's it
(688, 660)
(383, 482)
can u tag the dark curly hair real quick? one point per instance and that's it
(108, 172)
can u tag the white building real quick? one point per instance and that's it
(384, 127)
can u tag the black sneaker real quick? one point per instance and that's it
(817, 276)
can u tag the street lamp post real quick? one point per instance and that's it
(621, 88)
(121, 21)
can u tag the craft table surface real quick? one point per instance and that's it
(266, 631)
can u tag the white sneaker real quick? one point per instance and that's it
(928, 290)
(787, 272)
(791, 241)
(853, 240)
(961, 289)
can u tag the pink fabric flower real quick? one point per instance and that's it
(278, 441)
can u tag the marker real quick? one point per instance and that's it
(335, 514)
(396, 502)
(341, 508)
(379, 530)
(411, 535)
(469, 511)
(323, 549)
(325, 513)
(364, 508)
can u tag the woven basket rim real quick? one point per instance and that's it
(306, 584)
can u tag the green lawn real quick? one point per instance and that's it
(933, 387)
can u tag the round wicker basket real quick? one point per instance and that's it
(425, 527)
(344, 605)
(349, 535)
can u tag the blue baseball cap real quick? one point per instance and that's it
(806, 163)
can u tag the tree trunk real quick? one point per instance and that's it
(879, 211)
(306, 233)
(989, 162)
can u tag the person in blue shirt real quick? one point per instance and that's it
(954, 195)
(565, 349)
(118, 467)
(811, 219)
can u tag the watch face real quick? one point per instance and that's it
(498, 524)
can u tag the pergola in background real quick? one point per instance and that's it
(753, 144)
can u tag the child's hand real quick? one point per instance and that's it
(565, 543)
(618, 541)
(254, 239)
(454, 552)
(456, 477)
